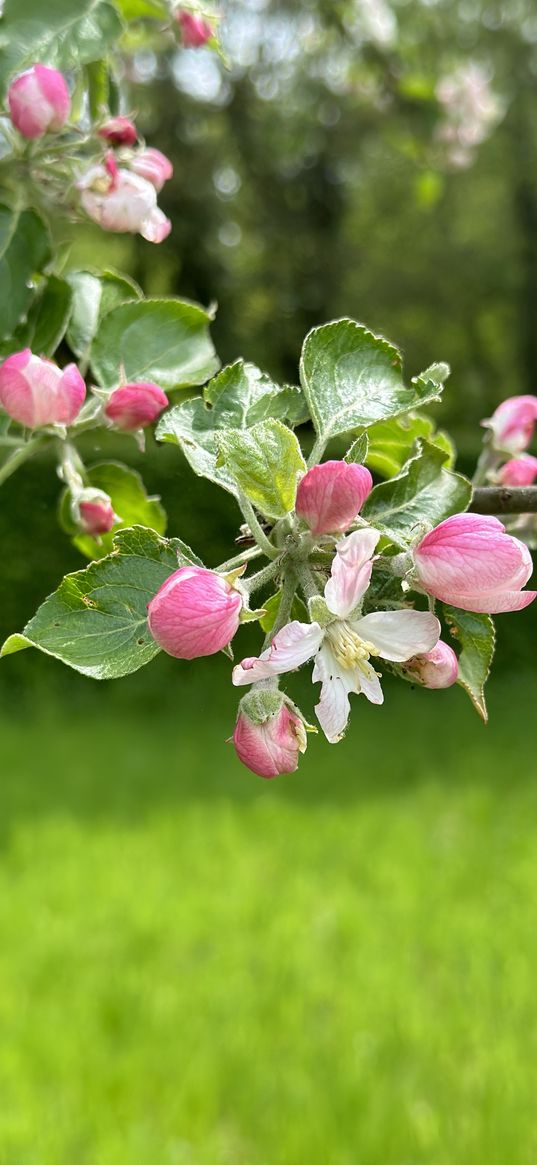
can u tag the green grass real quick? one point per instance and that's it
(201, 968)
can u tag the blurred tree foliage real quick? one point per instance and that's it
(310, 182)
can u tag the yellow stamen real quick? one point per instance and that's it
(349, 650)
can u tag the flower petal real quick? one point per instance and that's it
(333, 709)
(290, 648)
(351, 571)
(398, 635)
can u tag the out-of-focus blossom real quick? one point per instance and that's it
(119, 200)
(513, 423)
(39, 101)
(470, 110)
(119, 131)
(35, 392)
(152, 165)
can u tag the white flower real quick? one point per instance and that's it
(119, 200)
(343, 649)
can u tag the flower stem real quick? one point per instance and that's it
(20, 456)
(307, 581)
(257, 532)
(263, 576)
(286, 603)
(317, 452)
(244, 556)
(488, 462)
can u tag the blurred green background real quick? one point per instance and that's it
(338, 968)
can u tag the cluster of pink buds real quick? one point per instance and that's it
(467, 561)
(118, 195)
(505, 460)
(118, 199)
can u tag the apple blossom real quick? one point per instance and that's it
(196, 612)
(344, 646)
(35, 392)
(512, 423)
(119, 131)
(39, 101)
(269, 735)
(330, 495)
(519, 471)
(471, 562)
(119, 200)
(195, 30)
(134, 406)
(438, 668)
(152, 165)
(92, 510)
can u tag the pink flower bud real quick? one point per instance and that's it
(155, 167)
(121, 201)
(519, 471)
(36, 392)
(438, 668)
(92, 510)
(135, 406)
(195, 612)
(471, 562)
(330, 496)
(268, 740)
(119, 131)
(195, 31)
(513, 422)
(38, 101)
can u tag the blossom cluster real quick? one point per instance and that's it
(116, 178)
(467, 561)
(470, 110)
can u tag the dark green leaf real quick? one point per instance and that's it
(47, 320)
(476, 635)
(164, 340)
(96, 622)
(95, 294)
(24, 251)
(425, 492)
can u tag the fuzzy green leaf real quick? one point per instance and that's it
(238, 398)
(93, 296)
(393, 442)
(352, 378)
(63, 33)
(425, 492)
(265, 462)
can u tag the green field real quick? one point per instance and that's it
(201, 968)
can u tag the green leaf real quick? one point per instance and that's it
(47, 320)
(238, 398)
(96, 622)
(63, 33)
(352, 378)
(476, 635)
(165, 340)
(265, 461)
(93, 296)
(24, 251)
(393, 442)
(272, 606)
(143, 9)
(130, 502)
(357, 453)
(424, 492)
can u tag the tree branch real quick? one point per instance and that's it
(519, 499)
